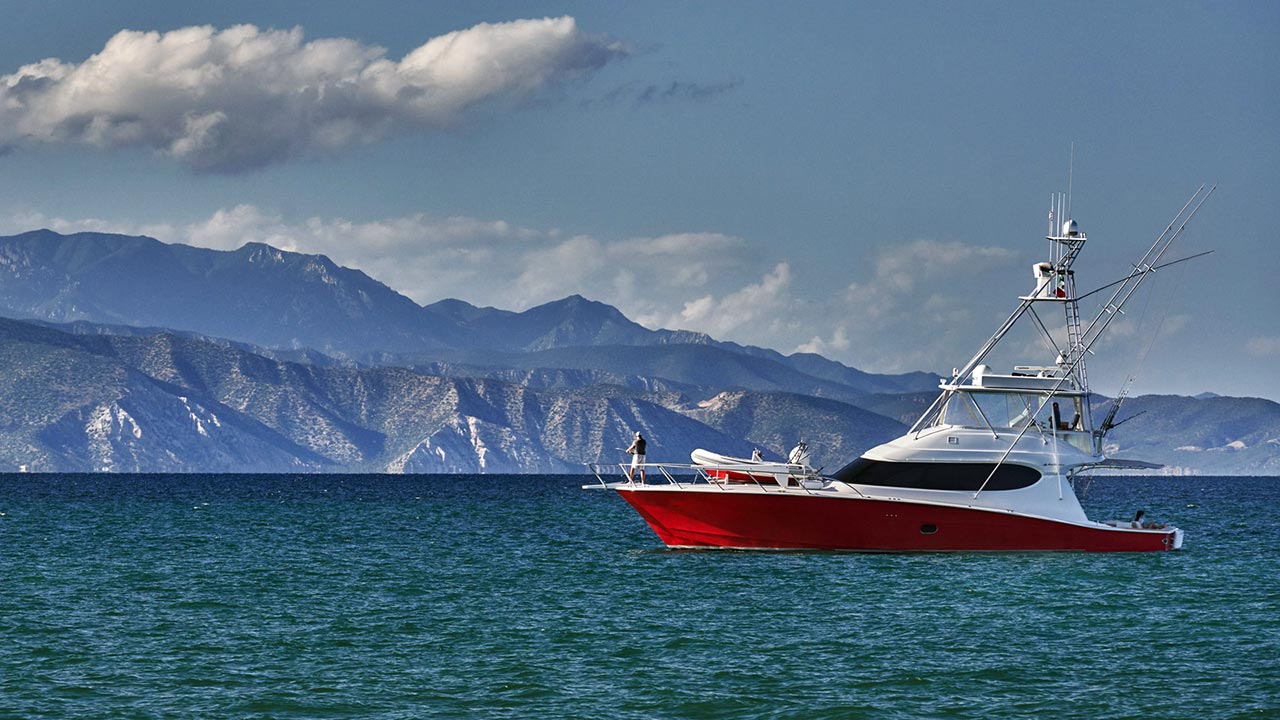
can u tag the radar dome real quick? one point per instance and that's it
(1070, 229)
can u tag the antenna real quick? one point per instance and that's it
(1071, 171)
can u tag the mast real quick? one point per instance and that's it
(1065, 245)
(1055, 283)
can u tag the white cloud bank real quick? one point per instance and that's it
(486, 262)
(242, 98)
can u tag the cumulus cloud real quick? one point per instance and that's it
(487, 262)
(925, 303)
(241, 98)
(761, 306)
(833, 347)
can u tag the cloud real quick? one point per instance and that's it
(639, 93)
(489, 262)
(917, 305)
(677, 90)
(760, 307)
(838, 343)
(917, 310)
(546, 272)
(241, 98)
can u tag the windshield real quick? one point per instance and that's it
(1006, 410)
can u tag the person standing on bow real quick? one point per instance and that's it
(637, 459)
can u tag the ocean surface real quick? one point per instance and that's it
(516, 597)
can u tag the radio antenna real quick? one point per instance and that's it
(1071, 171)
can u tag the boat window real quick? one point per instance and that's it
(1003, 410)
(937, 476)
(959, 410)
(1072, 414)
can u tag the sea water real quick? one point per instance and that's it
(195, 596)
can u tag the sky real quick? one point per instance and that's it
(865, 180)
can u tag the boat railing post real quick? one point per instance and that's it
(974, 404)
(595, 470)
(670, 480)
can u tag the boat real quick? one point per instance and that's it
(993, 464)
(754, 469)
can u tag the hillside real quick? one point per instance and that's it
(278, 300)
(1202, 435)
(164, 403)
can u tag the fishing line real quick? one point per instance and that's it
(1175, 291)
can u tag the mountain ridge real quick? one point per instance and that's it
(169, 403)
(354, 377)
(278, 299)
(98, 403)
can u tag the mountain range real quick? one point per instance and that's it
(282, 300)
(129, 354)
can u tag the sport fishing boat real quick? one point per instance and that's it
(991, 465)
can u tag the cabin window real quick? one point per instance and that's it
(1011, 410)
(937, 476)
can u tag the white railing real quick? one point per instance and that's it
(786, 478)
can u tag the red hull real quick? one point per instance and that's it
(684, 518)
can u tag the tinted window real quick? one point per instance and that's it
(937, 476)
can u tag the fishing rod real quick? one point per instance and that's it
(1133, 274)
(1142, 270)
(1109, 425)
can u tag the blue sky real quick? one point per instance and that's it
(866, 180)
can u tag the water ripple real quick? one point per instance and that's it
(380, 597)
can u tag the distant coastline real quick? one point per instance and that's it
(260, 360)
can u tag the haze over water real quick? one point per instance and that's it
(407, 597)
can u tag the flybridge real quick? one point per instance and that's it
(1044, 379)
(1055, 284)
